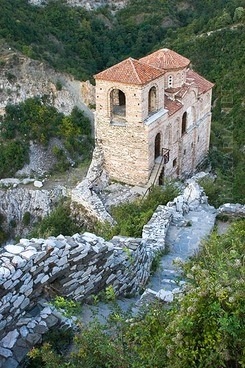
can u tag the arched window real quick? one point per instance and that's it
(152, 100)
(118, 103)
(170, 81)
(184, 123)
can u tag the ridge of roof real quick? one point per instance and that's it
(130, 71)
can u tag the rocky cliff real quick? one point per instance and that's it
(22, 77)
(26, 202)
(88, 4)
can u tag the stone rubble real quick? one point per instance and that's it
(96, 194)
(232, 210)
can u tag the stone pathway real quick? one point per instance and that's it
(182, 242)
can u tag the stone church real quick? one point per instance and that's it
(153, 118)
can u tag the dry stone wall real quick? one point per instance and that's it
(76, 266)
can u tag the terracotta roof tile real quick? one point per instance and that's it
(166, 59)
(172, 105)
(203, 84)
(130, 71)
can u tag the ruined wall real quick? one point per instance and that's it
(78, 267)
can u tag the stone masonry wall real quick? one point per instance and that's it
(76, 267)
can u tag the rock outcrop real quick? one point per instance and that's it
(15, 203)
(235, 210)
(22, 78)
(88, 4)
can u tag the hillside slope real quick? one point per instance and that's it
(211, 34)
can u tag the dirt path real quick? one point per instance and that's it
(69, 179)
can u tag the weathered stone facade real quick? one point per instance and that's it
(151, 111)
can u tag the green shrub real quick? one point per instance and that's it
(13, 155)
(58, 222)
(131, 217)
(218, 190)
(58, 85)
(26, 218)
(68, 307)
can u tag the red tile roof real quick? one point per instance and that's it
(166, 59)
(203, 84)
(171, 105)
(130, 71)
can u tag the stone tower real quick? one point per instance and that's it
(152, 118)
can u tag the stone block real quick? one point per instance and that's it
(6, 353)
(38, 278)
(62, 262)
(14, 249)
(24, 331)
(34, 338)
(4, 274)
(10, 339)
(41, 328)
(51, 320)
(16, 275)
(11, 363)
(25, 303)
(44, 279)
(3, 324)
(20, 352)
(18, 301)
(29, 254)
(18, 261)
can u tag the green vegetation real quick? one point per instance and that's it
(58, 222)
(132, 216)
(36, 120)
(67, 307)
(13, 155)
(219, 58)
(202, 328)
(83, 43)
(58, 340)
